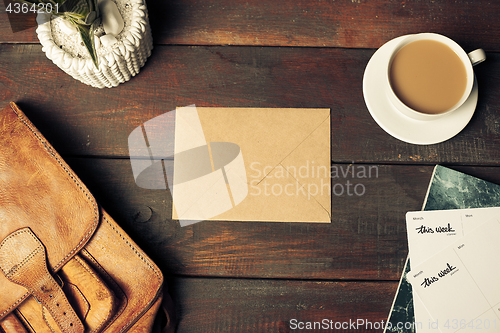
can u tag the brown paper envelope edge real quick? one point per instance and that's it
(324, 118)
(324, 201)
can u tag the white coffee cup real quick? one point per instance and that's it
(468, 60)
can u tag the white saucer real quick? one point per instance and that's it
(397, 124)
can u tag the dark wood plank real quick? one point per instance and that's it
(356, 23)
(12, 15)
(366, 239)
(82, 120)
(229, 305)
(16, 27)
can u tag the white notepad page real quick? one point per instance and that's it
(432, 231)
(459, 286)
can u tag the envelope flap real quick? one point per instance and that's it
(38, 190)
(309, 164)
(268, 135)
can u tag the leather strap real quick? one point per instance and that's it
(23, 261)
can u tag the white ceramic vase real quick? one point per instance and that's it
(117, 63)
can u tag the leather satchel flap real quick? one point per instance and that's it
(38, 190)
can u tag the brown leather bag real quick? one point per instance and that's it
(65, 264)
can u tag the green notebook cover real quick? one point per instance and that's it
(448, 189)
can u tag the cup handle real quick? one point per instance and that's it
(477, 56)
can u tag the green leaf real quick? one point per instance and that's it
(87, 34)
(75, 18)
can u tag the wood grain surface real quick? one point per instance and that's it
(241, 305)
(96, 122)
(365, 241)
(317, 23)
(370, 244)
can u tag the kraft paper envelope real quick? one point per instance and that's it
(252, 164)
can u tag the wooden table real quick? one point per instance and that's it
(255, 276)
